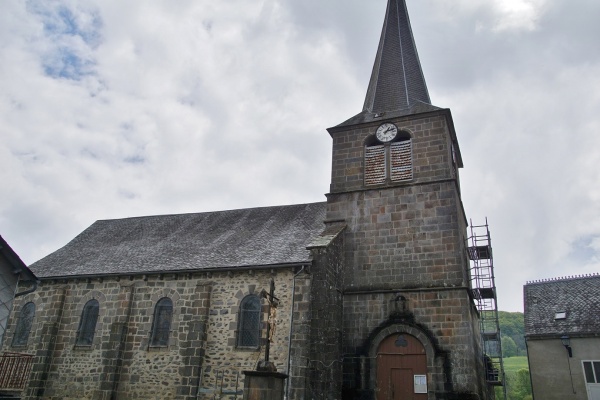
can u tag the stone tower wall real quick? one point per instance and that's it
(406, 240)
(432, 151)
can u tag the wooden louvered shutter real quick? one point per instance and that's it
(375, 169)
(401, 158)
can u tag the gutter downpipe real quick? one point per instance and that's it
(30, 290)
(289, 363)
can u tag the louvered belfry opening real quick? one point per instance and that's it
(375, 165)
(399, 167)
(401, 160)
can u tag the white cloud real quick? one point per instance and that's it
(498, 16)
(199, 105)
(517, 14)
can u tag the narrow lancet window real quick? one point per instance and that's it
(87, 324)
(161, 326)
(24, 325)
(249, 322)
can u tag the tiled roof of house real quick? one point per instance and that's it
(224, 239)
(577, 297)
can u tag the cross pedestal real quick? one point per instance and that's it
(263, 385)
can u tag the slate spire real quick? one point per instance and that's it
(397, 81)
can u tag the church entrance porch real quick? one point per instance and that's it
(401, 369)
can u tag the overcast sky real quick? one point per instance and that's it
(112, 109)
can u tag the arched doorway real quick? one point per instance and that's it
(401, 368)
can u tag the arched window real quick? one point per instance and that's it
(161, 325)
(87, 324)
(399, 153)
(24, 325)
(249, 322)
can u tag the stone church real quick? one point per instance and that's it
(372, 294)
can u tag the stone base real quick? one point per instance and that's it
(261, 385)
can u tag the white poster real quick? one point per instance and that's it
(420, 383)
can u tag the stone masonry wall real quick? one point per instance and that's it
(402, 237)
(326, 321)
(201, 357)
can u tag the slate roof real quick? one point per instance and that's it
(579, 297)
(15, 261)
(366, 116)
(224, 239)
(397, 83)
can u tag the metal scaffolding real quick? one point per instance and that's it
(483, 287)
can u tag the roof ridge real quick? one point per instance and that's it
(209, 212)
(564, 278)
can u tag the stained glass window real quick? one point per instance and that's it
(24, 325)
(87, 324)
(161, 326)
(249, 322)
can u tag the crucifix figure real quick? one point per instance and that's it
(273, 301)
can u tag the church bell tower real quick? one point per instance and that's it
(409, 323)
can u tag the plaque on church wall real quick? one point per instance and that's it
(420, 383)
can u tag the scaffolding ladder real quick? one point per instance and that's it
(483, 288)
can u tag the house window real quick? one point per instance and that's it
(560, 315)
(249, 322)
(161, 325)
(592, 371)
(87, 323)
(24, 325)
(388, 162)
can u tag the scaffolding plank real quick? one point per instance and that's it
(486, 293)
(480, 252)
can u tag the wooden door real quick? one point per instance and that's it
(400, 358)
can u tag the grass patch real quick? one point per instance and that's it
(513, 364)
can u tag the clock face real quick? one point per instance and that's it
(386, 132)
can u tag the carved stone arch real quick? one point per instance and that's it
(399, 329)
(370, 140)
(405, 130)
(78, 312)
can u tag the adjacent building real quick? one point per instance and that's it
(13, 272)
(562, 333)
(373, 295)
(14, 275)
